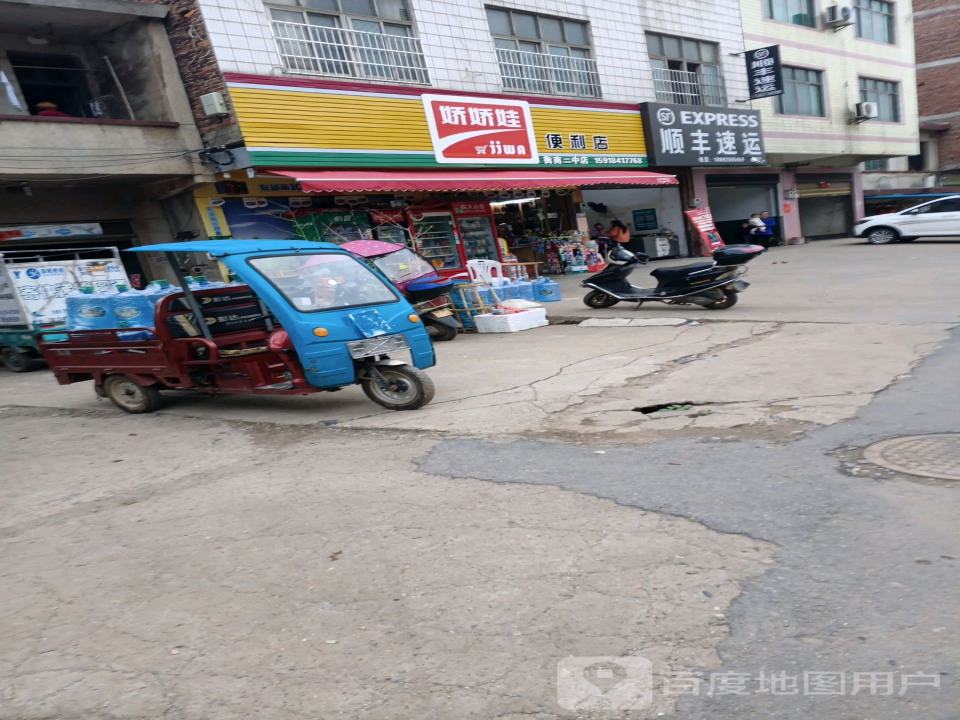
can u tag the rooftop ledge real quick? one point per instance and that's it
(117, 7)
(87, 121)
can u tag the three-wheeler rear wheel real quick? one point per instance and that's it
(129, 396)
(399, 387)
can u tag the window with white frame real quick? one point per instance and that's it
(877, 165)
(353, 38)
(798, 12)
(802, 92)
(875, 20)
(543, 54)
(686, 70)
(885, 94)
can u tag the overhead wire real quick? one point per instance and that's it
(98, 176)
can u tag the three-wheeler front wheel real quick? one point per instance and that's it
(127, 395)
(399, 387)
(18, 362)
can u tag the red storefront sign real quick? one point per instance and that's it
(702, 221)
(484, 131)
(470, 208)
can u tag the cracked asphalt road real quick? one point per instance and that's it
(867, 572)
(313, 557)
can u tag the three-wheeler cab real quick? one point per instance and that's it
(308, 317)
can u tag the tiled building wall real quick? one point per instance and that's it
(460, 52)
(714, 20)
(241, 36)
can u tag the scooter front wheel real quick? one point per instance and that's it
(399, 387)
(599, 299)
(729, 300)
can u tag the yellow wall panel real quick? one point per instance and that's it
(300, 119)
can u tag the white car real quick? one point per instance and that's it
(936, 218)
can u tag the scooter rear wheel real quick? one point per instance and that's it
(441, 332)
(598, 299)
(729, 300)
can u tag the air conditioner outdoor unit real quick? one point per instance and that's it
(866, 110)
(214, 105)
(838, 16)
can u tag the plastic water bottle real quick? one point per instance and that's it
(158, 290)
(202, 282)
(89, 310)
(524, 289)
(132, 308)
(546, 290)
(509, 291)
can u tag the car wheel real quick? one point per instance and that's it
(882, 236)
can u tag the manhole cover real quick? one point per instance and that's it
(934, 456)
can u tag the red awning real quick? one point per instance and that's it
(371, 181)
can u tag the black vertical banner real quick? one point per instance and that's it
(764, 72)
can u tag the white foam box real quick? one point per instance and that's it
(514, 322)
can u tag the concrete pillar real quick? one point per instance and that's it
(856, 187)
(790, 208)
(699, 187)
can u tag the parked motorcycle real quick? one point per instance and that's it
(417, 279)
(714, 285)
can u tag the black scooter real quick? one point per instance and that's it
(713, 285)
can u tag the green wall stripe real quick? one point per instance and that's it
(281, 158)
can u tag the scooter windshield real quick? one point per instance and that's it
(403, 265)
(323, 281)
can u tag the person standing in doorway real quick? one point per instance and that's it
(771, 224)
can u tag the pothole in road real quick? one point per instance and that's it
(683, 406)
(929, 456)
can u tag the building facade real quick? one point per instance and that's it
(96, 131)
(835, 57)
(307, 87)
(345, 84)
(893, 184)
(937, 29)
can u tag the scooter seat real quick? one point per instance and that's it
(678, 273)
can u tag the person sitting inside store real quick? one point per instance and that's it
(45, 108)
(619, 236)
(600, 236)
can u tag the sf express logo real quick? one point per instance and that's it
(668, 117)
